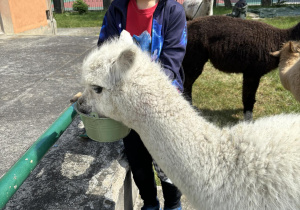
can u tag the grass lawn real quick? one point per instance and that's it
(94, 19)
(75, 20)
(218, 95)
(281, 22)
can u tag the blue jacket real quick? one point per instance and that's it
(169, 34)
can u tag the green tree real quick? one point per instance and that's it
(80, 6)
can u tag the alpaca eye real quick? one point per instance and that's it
(97, 89)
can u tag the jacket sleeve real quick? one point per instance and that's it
(109, 26)
(174, 46)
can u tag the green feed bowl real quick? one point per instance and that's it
(102, 129)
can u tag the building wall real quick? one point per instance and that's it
(27, 15)
(23, 15)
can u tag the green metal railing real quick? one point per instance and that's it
(19, 172)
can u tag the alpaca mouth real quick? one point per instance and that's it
(84, 109)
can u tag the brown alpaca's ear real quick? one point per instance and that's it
(122, 64)
(275, 54)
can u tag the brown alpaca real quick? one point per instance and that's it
(289, 67)
(234, 45)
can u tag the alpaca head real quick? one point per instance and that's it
(120, 79)
(289, 50)
(103, 72)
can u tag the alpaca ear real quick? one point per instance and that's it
(125, 37)
(126, 58)
(292, 48)
(275, 54)
(295, 47)
(122, 64)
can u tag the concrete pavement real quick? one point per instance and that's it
(39, 74)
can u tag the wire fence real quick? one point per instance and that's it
(93, 4)
(258, 2)
(98, 4)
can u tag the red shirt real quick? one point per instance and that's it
(139, 20)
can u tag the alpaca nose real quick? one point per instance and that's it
(80, 101)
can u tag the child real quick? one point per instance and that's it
(158, 27)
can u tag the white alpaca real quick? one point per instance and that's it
(289, 67)
(197, 8)
(253, 165)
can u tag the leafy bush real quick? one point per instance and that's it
(80, 6)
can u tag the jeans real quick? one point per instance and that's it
(140, 162)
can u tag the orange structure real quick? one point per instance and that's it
(29, 17)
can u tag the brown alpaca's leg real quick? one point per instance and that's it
(193, 68)
(250, 85)
(188, 91)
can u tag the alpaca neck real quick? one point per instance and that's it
(179, 140)
(284, 67)
(206, 8)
